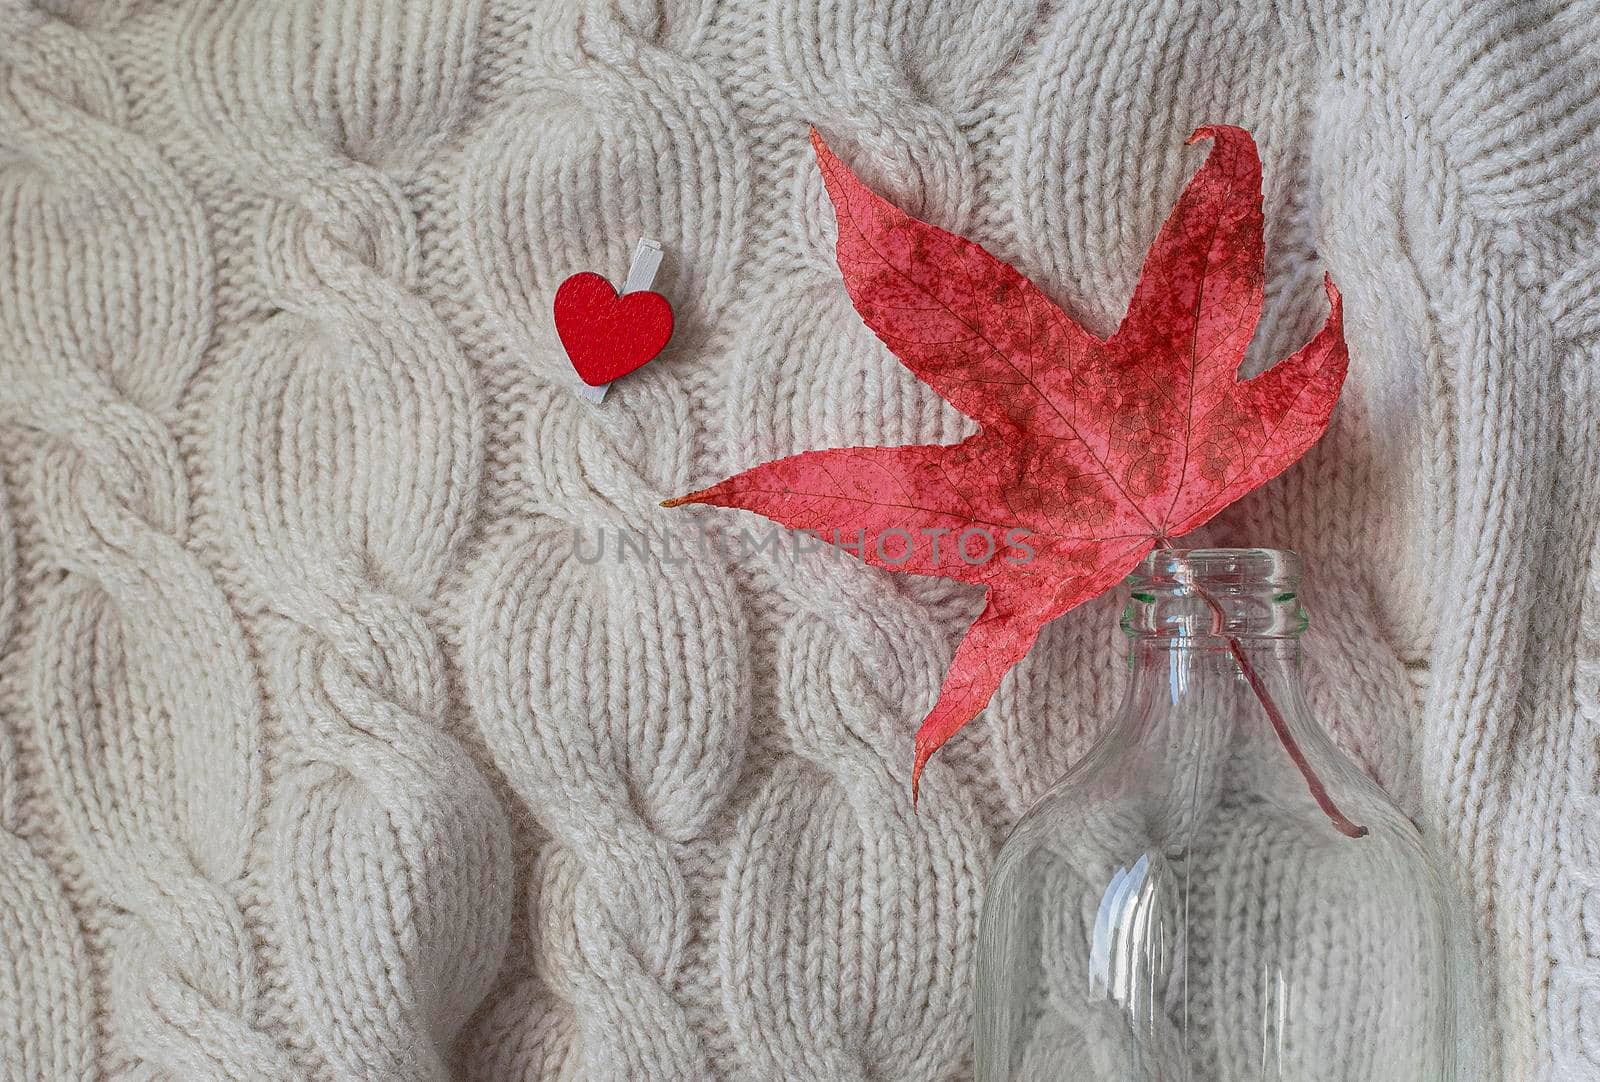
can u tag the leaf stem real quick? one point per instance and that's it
(1319, 791)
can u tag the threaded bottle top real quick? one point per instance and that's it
(1194, 593)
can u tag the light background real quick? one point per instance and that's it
(323, 758)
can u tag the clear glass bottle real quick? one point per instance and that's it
(1191, 904)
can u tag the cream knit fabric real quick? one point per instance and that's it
(324, 756)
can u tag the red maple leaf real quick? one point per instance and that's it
(1091, 452)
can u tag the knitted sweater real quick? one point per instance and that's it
(325, 753)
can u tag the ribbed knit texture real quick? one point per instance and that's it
(324, 756)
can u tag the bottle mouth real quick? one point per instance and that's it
(1198, 593)
(1229, 569)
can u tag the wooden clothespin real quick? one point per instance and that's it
(608, 334)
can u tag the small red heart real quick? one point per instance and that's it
(607, 335)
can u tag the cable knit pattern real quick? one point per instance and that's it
(621, 745)
(348, 448)
(138, 682)
(43, 967)
(841, 906)
(362, 716)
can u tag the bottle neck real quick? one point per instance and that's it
(1216, 675)
(1211, 630)
(1183, 683)
(1203, 736)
